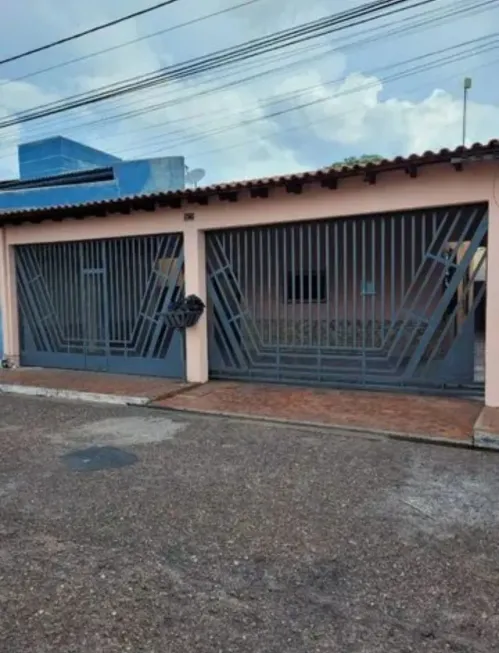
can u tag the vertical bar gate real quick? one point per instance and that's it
(99, 305)
(373, 301)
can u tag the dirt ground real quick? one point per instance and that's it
(230, 536)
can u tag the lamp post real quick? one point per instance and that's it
(466, 88)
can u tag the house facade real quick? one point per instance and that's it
(59, 171)
(377, 276)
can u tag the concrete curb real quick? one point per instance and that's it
(338, 429)
(72, 395)
(484, 437)
(484, 440)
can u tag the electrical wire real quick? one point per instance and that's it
(119, 46)
(472, 50)
(91, 30)
(250, 49)
(306, 124)
(468, 48)
(432, 19)
(137, 82)
(197, 92)
(273, 100)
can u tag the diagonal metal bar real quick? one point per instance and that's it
(449, 293)
(457, 307)
(37, 300)
(397, 331)
(421, 314)
(219, 264)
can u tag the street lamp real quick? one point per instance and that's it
(467, 86)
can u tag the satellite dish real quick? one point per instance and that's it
(194, 176)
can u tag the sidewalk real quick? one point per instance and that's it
(385, 413)
(397, 415)
(89, 386)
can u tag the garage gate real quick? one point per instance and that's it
(372, 301)
(100, 305)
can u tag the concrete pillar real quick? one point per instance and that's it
(2, 291)
(196, 338)
(8, 300)
(492, 319)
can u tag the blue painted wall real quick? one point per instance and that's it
(51, 160)
(57, 156)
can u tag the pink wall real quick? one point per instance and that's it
(435, 186)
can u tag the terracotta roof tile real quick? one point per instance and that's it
(137, 202)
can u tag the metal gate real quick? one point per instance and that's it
(385, 300)
(99, 305)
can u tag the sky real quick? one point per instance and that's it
(348, 93)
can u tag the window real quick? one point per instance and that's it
(306, 287)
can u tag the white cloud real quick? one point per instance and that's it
(358, 115)
(229, 132)
(19, 95)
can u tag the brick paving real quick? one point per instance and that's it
(95, 382)
(406, 414)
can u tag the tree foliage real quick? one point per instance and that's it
(358, 160)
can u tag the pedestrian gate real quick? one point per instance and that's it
(100, 305)
(385, 300)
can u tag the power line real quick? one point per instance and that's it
(283, 37)
(468, 48)
(119, 46)
(431, 20)
(256, 47)
(311, 123)
(91, 30)
(199, 92)
(423, 67)
(282, 97)
(410, 24)
(194, 91)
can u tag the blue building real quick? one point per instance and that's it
(58, 170)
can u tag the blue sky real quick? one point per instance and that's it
(355, 109)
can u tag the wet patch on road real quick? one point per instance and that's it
(95, 459)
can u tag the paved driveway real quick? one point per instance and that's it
(235, 536)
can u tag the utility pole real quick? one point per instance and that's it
(466, 88)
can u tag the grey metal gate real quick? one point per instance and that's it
(99, 305)
(385, 300)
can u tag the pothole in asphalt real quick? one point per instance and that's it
(94, 459)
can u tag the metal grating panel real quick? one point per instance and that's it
(386, 300)
(99, 305)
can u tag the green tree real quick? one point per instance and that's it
(358, 160)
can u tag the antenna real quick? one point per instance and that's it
(194, 176)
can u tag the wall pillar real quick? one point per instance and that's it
(8, 300)
(492, 307)
(196, 338)
(3, 277)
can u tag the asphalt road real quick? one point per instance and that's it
(228, 536)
